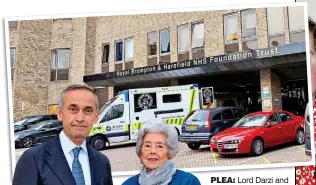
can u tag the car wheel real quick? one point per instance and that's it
(257, 147)
(299, 137)
(27, 142)
(98, 142)
(194, 146)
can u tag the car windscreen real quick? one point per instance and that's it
(20, 122)
(38, 126)
(33, 119)
(251, 121)
(108, 103)
(198, 116)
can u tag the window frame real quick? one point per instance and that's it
(118, 61)
(224, 36)
(270, 36)
(277, 118)
(302, 30)
(246, 40)
(230, 15)
(14, 49)
(108, 58)
(103, 119)
(281, 121)
(53, 51)
(242, 27)
(192, 29)
(178, 39)
(160, 31)
(148, 44)
(125, 49)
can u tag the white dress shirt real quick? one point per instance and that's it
(67, 146)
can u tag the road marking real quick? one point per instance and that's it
(266, 159)
(303, 149)
(214, 158)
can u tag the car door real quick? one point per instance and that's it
(228, 118)
(43, 133)
(271, 134)
(114, 123)
(217, 124)
(53, 130)
(287, 125)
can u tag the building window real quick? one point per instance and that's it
(106, 53)
(164, 46)
(249, 30)
(118, 51)
(13, 24)
(12, 60)
(129, 49)
(152, 44)
(198, 40)
(60, 64)
(152, 39)
(276, 32)
(165, 42)
(183, 42)
(297, 31)
(231, 33)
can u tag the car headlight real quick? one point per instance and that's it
(213, 140)
(236, 141)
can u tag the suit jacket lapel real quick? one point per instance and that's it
(95, 170)
(58, 163)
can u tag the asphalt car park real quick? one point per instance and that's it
(123, 157)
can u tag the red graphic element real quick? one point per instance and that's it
(305, 175)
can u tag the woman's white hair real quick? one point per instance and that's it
(158, 126)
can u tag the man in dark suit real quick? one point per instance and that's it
(67, 159)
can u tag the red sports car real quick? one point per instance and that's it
(259, 130)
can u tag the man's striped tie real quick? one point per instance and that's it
(76, 167)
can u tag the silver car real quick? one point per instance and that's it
(307, 131)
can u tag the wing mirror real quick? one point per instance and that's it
(269, 124)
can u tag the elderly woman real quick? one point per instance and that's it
(157, 144)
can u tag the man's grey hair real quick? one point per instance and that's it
(158, 126)
(76, 87)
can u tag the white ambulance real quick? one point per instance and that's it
(122, 116)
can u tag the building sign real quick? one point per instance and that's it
(229, 58)
(232, 57)
(266, 91)
(207, 95)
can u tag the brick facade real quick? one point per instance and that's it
(85, 38)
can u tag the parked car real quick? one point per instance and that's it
(29, 121)
(39, 133)
(259, 130)
(200, 125)
(307, 131)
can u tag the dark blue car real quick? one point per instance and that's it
(39, 133)
(200, 125)
(29, 121)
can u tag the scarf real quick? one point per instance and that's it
(159, 176)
